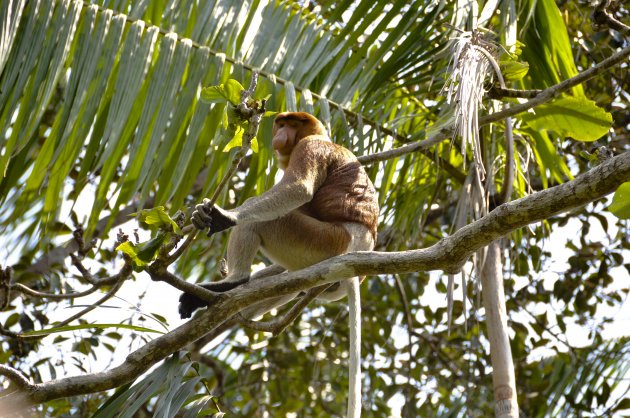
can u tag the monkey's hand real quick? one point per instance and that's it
(189, 303)
(212, 217)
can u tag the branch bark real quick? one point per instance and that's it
(448, 254)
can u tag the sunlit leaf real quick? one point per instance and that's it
(132, 251)
(213, 94)
(620, 206)
(143, 253)
(237, 139)
(574, 117)
(514, 70)
(233, 91)
(157, 217)
(230, 91)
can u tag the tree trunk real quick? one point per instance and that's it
(503, 380)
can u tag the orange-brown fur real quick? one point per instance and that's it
(343, 191)
(323, 206)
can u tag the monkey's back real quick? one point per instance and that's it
(347, 193)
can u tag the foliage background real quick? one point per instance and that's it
(100, 116)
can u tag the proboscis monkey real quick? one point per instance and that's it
(325, 205)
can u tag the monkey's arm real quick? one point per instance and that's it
(303, 176)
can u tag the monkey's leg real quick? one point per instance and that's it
(242, 247)
(296, 240)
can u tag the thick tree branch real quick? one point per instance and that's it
(601, 16)
(448, 254)
(16, 377)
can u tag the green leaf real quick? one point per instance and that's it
(147, 251)
(237, 131)
(213, 94)
(574, 117)
(514, 70)
(233, 91)
(237, 139)
(157, 217)
(143, 253)
(132, 251)
(620, 206)
(623, 405)
(230, 91)
(48, 331)
(159, 318)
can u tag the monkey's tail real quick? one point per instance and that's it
(354, 323)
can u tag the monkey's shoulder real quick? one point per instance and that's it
(322, 147)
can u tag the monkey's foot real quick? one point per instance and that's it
(190, 303)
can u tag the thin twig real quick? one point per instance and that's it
(84, 272)
(279, 324)
(254, 115)
(497, 92)
(19, 287)
(121, 275)
(433, 139)
(90, 308)
(543, 97)
(159, 273)
(553, 91)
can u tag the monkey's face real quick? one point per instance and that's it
(285, 136)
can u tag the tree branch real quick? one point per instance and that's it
(279, 324)
(448, 254)
(553, 91)
(543, 97)
(124, 272)
(16, 377)
(602, 17)
(497, 93)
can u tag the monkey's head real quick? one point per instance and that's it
(289, 128)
